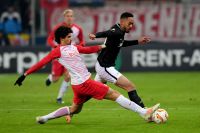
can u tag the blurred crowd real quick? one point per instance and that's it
(14, 24)
(10, 24)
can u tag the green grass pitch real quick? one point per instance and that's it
(178, 93)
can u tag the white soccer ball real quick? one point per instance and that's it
(160, 116)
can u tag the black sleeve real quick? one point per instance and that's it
(108, 33)
(129, 43)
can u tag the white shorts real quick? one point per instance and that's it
(105, 74)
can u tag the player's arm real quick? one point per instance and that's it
(103, 34)
(141, 40)
(129, 43)
(89, 49)
(48, 58)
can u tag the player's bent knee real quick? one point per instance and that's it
(75, 109)
(131, 86)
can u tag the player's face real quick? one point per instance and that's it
(128, 24)
(68, 39)
(69, 18)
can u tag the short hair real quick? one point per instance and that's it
(62, 32)
(67, 11)
(126, 15)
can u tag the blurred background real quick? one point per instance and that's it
(173, 25)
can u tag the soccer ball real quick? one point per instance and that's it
(160, 116)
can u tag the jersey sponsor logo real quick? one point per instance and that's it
(69, 52)
(72, 53)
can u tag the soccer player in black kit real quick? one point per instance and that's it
(105, 66)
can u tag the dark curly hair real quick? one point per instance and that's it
(62, 32)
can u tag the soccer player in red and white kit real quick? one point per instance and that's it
(83, 86)
(57, 69)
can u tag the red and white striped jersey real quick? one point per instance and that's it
(69, 57)
(77, 35)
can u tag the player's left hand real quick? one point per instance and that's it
(144, 40)
(20, 80)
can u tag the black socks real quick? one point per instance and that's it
(133, 96)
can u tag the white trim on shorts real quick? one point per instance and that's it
(104, 74)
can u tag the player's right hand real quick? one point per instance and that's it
(20, 80)
(144, 40)
(92, 36)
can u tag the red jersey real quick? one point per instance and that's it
(77, 35)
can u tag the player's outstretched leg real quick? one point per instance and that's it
(74, 109)
(124, 83)
(56, 114)
(126, 103)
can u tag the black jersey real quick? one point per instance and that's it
(114, 41)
